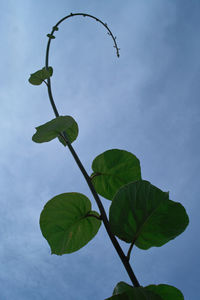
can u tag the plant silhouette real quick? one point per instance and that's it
(140, 213)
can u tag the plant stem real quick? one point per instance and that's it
(113, 239)
(94, 216)
(130, 249)
(95, 175)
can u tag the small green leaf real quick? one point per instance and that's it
(53, 128)
(51, 36)
(38, 77)
(113, 169)
(65, 223)
(143, 214)
(166, 292)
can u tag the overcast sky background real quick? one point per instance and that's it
(145, 102)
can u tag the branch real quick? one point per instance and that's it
(76, 158)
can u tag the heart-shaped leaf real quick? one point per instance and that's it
(54, 128)
(113, 169)
(166, 292)
(124, 291)
(68, 223)
(38, 77)
(123, 296)
(138, 293)
(141, 213)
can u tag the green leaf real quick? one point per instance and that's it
(53, 128)
(51, 36)
(113, 169)
(143, 214)
(166, 292)
(138, 293)
(38, 77)
(124, 291)
(65, 223)
(123, 296)
(122, 287)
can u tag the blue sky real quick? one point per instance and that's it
(146, 102)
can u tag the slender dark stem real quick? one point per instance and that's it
(45, 82)
(95, 175)
(113, 239)
(94, 216)
(130, 249)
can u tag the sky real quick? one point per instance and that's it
(145, 102)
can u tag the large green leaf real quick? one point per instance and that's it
(68, 223)
(124, 291)
(143, 214)
(123, 296)
(138, 293)
(53, 128)
(38, 77)
(113, 169)
(166, 292)
(122, 287)
(134, 293)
